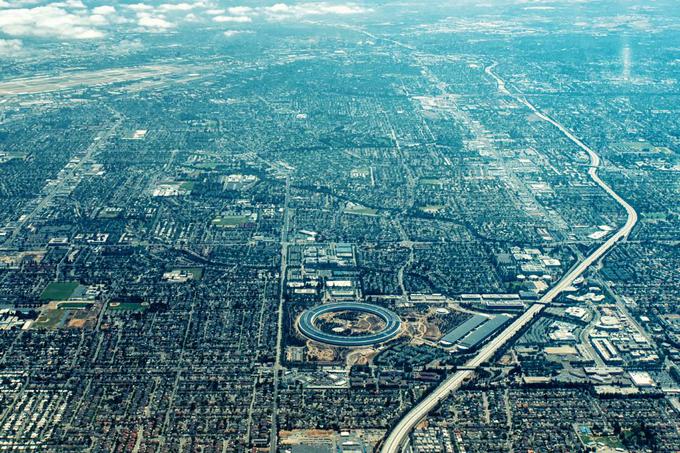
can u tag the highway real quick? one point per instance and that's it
(400, 433)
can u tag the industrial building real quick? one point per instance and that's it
(474, 331)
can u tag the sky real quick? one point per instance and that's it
(73, 19)
(76, 20)
(25, 21)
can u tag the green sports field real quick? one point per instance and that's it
(58, 290)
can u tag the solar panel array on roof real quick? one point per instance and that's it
(479, 335)
(463, 329)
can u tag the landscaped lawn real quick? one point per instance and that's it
(358, 209)
(230, 220)
(127, 306)
(59, 290)
(197, 272)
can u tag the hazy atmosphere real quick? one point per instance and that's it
(340, 227)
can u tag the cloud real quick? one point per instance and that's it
(104, 10)
(47, 22)
(139, 7)
(153, 23)
(233, 19)
(284, 11)
(71, 19)
(153, 18)
(340, 9)
(98, 19)
(177, 6)
(10, 47)
(279, 8)
(281, 11)
(240, 10)
(77, 4)
(230, 33)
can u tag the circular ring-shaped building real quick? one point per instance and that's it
(307, 324)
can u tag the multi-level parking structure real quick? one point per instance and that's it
(306, 324)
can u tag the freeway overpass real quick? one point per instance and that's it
(399, 434)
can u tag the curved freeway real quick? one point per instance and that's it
(400, 432)
(308, 318)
